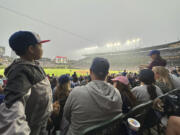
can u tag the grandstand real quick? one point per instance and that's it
(131, 59)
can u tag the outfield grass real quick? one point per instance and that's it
(58, 72)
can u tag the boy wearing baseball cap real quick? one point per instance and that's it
(28, 96)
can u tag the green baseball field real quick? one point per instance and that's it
(58, 72)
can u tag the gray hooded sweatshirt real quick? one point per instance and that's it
(88, 105)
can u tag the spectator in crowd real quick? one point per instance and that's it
(1, 89)
(63, 88)
(178, 70)
(94, 103)
(163, 79)
(61, 94)
(147, 91)
(81, 78)
(28, 95)
(86, 80)
(53, 83)
(174, 72)
(173, 127)
(74, 75)
(131, 79)
(175, 81)
(53, 76)
(157, 60)
(75, 82)
(124, 73)
(109, 79)
(129, 100)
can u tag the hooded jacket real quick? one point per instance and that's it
(91, 104)
(28, 99)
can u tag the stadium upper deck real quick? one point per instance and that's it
(131, 59)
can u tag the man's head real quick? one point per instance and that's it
(26, 43)
(99, 69)
(147, 76)
(154, 54)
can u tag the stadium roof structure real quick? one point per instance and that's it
(163, 47)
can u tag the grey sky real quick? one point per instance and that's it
(97, 22)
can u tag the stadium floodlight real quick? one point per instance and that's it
(134, 40)
(118, 43)
(128, 42)
(138, 39)
(108, 45)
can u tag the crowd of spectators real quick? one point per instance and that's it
(33, 103)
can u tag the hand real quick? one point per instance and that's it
(158, 105)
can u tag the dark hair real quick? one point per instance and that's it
(109, 79)
(147, 77)
(161, 59)
(100, 76)
(152, 91)
(125, 90)
(75, 79)
(61, 91)
(21, 52)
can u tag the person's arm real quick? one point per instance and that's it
(173, 127)
(16, 92)
(159, 91)
(13, 119)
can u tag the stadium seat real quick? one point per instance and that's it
(171, 102)
(114, 126)
(146, 115)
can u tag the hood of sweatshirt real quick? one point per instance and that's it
(104, 94)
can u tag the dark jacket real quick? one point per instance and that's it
(157, 62)
(28, 99)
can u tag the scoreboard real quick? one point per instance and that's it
(61, 60)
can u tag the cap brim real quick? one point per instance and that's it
(44, 41)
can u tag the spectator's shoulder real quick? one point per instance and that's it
(135, 88)
(78, 90)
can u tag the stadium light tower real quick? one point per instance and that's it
(134, 40)
(128, 42)
(118, 43)
(138, 39)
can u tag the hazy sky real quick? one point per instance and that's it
(75, 24)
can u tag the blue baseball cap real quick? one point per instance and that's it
(19, 41)
(154, 52)
(63, 79)
(100, 66)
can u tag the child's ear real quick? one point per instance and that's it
(31, 49)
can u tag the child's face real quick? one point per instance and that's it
(38, 52)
